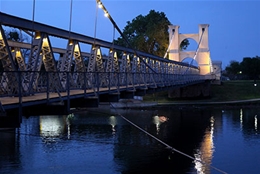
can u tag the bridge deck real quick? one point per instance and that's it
(52, 97)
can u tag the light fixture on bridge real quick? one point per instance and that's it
(70, 42)
(100, 5)
(12, 49)
(106, 14)
(37, 35)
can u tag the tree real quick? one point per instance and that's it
(148, 33)
(250, 67)
(17, 36)
(233, 69)
(247, 69)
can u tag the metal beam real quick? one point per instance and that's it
(17, 22)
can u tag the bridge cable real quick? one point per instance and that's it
(95, 27)
(165, 144)
(167, 51)
(33, 16)
(197, 50)
(70, 17)
(121, 33)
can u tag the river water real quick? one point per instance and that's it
(103, 141)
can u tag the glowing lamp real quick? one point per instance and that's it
(37, 35)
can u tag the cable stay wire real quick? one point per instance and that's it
(197, 50)
(165, 144)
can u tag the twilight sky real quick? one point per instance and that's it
(234, 30)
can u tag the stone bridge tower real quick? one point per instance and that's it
(203, 54)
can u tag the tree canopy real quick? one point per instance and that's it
(247, 69)
(148, 33)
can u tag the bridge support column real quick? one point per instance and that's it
(201, 56)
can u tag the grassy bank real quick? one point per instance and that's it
(228, 91)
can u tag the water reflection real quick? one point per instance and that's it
(204, 155)
(105, 143)
(51, 127)
(113, 122)
(158, 120)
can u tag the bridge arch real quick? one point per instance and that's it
(201, 55)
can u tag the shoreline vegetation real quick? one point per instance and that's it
(231, 93)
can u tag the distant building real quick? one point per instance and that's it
(217, 70)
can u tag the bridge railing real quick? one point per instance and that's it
(92, 83)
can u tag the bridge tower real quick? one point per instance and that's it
(201, 55)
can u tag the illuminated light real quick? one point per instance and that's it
(45, 39)
(70, 42)
(106, 14)
(100, 5)
(255, 84)
(76, 49)
(45, 42)
(12, 49)
(18, 54)
(37, 35)
(256, 122)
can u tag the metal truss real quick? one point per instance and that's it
(112, 68)
(123, 65)
(95, 64)
(64, 64)
(49, 64)
(17, 55)
(80, 69)
(9, 80)
(41, 52)
(129, 80)
(33, 65)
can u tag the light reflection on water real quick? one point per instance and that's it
(96, 141)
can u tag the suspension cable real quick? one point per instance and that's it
(33, 16)
(121, 33)
(95, 27)
(70, 17)
(197, 50)
(168, 47)
(165, 144)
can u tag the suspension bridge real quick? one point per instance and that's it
(36, 74)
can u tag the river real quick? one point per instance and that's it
(155, 140)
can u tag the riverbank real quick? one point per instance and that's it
(237, 91)
(230, 94)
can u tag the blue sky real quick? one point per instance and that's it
(234, 30)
